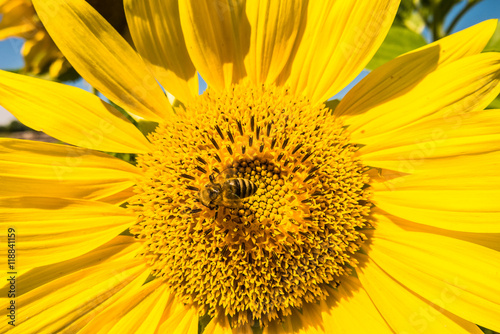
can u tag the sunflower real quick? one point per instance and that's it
(41, 55)
(255, 206)
(39, 51)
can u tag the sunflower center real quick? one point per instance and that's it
(252, 203)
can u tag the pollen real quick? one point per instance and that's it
(266, 254)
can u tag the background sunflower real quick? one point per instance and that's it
(41, 55)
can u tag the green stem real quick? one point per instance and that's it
(457, 18)
(437, 30)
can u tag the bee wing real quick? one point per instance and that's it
(230, 198)
(228, 173)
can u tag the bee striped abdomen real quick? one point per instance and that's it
(242, 188)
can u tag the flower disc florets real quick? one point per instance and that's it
(269, 252)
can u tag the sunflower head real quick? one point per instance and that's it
(288, 240)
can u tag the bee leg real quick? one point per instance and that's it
(212, 178)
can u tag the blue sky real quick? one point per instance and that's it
(10, 49)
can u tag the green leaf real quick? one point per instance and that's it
(123, 112)
(69, 75)
(17, 71)
(203, 322)
(399, 40)
(332, 104)
(487, 331)
(415, 23)
(128, 157)
(494, 43)
(495, 104)
(146, 127)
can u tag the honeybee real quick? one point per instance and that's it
(226, 190)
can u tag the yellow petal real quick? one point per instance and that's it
(462, 172)
(119, 248)
(311, 318)
(16, 20)
(120, 197)
(155, 27)
(111, 259)
(307, 320)
(490, 240)
(50, 230)
(218, 325)
(386, 82)
(405, 311)
(179, 319)
(145, 316)
(434, 140)
(449, 195)
(336, 42)
(273, 27)
(216, 47)
(346, 304)
(103, 58)
(14, 31)
(455, 275)
(75, 298)
(464, 85)
(273, 328)
(58, 67)
(38, 52)
(52, 170)
(468, 211)
(137, 311)
(69, 114)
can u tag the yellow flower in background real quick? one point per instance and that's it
(39, 51)
(40, 54)
(378, 216)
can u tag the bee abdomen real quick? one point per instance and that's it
(242, 187)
